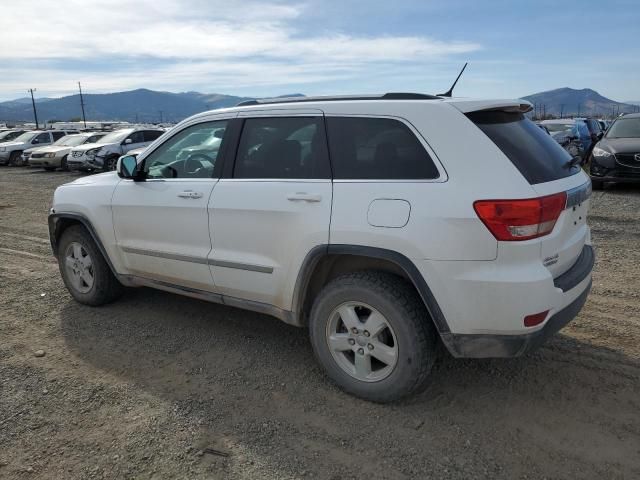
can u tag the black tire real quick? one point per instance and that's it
(49, 169)
(106, 288)
(597, 184)
(110, 163)
(63, 164)
(403, 309)
(14, 159)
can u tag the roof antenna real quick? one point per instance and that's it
(450, 91)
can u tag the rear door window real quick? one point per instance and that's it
(377, 148)
(535, 154)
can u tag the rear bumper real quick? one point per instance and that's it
(500, 346)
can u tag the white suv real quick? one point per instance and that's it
(11, 153)
(104, 154)
(383, 224)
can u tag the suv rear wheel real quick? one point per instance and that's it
(372, 334)
(84, 270)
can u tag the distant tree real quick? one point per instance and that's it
(75, 119)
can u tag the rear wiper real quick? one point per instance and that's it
(577, 160)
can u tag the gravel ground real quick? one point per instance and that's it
(162, 386)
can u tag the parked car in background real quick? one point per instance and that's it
(542, 127)
(8, 135)
(104, 154)
(616, 158)
(11, 152)
(55, 155)
(604, 124)
(572, 135)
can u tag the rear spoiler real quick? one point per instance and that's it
(514, 106)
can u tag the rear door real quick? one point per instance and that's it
(546, 166)
(273, 207)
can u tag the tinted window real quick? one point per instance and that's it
(151, 135)
(377, 148)
(136, 137)
(282, 147)
(42, 138)
(57, 135)
(191, 153)
(625, 128)
(536, 155)
(94, 138)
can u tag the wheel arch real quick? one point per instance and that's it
(325, 262)
(59, 222)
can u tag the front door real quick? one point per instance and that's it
(161, 224)
(274, 208)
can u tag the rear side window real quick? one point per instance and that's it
(376, 148)
(58, 135)
(282, 147)
(535, 154)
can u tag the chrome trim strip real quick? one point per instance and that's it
(202, 261)
(241, 266)
(577, 195)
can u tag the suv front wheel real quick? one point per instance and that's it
(84, 270)
(373, 335)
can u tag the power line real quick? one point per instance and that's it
(33, 102)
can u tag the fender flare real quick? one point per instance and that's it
(54, 234)
(408, 267)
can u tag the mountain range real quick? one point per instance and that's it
(584, 102)
(143, 105)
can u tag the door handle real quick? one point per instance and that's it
(304, 197)
(190, 194)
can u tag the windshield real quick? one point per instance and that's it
(625, 128)
(25, 137)
(558, 127)
(115, 137)
(71, 140)
(8, 135)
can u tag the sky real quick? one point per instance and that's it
(267, 48)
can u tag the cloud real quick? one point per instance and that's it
(187, 42)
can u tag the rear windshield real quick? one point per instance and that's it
(534, 153)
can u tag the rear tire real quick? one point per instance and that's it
(381, 365)
(84, 270)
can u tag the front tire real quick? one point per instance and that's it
(372, 334)
(110, 163)
(14, 159)
(84, 270)
(63, 164)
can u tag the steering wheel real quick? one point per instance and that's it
(193, 163)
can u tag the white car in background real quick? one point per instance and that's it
(55, 155)
(104, 154)
(11, 152)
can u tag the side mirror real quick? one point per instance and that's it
(219, 133)
(127, 167)
(128, 141)
(35, 141)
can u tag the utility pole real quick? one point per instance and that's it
(561, 109)
(160, 112)
(578, 110)
(33, 102)
(82, 105)
(136, 118)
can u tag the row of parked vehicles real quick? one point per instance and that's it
(610, 151)
(72, 150)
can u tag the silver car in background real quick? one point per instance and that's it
(55, 155)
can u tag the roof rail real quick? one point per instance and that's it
(386, 96)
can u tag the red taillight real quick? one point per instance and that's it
(511, 220)
(535, 319)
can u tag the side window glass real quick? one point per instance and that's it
(135, 137)
(151, 135)
(282, 147)
(191, 153)
(377, 148)
(57, 135)
(41, 138)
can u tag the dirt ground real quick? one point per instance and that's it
(160, 386)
